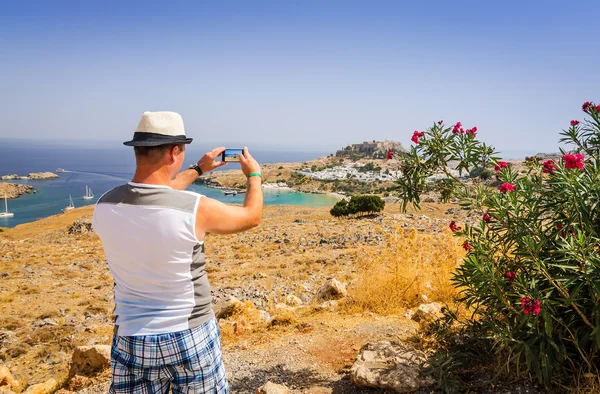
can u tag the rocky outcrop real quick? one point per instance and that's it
(225, 308)
(12, 190)
(81, 226)
(41, 388)
(42, 175)
(426, 312)
(7, 382)
(390, 366)
(88, 360)
(333, 289)
(31, 176)
(272, 388)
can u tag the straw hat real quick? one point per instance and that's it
(159, 128)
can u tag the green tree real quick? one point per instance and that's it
(340, 209)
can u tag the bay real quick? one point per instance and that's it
(103, 167)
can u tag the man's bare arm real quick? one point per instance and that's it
(216, 217)
(207, 163)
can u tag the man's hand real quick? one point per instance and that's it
(207, 163)
(249, 165)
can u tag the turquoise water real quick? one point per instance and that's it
(102, 170)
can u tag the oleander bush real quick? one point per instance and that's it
(531, 275)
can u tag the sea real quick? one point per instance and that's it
(102, 166)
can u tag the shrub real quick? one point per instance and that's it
(340, 209)
(531, 275)
(358, 205)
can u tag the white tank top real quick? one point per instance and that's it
(149, 237)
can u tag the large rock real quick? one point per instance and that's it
(428, 312)
(41, 388)
(88, 360)
(333, 289)
(390, 366)
(42, 175)
(7, 382)
(272, 388)
(224, 309)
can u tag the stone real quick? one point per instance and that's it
(7, 382)
(428, 312)
(390, 366)
(224, 309)
(331, 305)
(333, 289)
(88, 360)
(293, 300)
(272, 388)
(81, 226)
(41, 388)
(265, 316)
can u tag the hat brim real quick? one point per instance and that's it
(153, 139)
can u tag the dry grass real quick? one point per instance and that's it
(412, 264)
(245, 319)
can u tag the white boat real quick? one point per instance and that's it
(70, 206)
(88, 193)
(60, 170)
(230, 192)
(6, 214)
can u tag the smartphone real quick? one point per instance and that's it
(231, 155)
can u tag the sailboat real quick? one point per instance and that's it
(6, 214)
(70, 206)
(88, 193)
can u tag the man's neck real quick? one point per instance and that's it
(157, 177)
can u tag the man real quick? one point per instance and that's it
(166, 335)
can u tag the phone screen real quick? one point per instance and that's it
(231, 155)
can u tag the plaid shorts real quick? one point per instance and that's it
(187, 361)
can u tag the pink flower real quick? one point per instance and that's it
(598, 108)
(574, 122)
(453, 227)
(574, 161)
(563, 232)
(549, 167)
(440, 122)
(506, 187)
(510, 276)
(416, 136)
(537, 307)
(474, 129)
(456, 128)
(531, 306)
(501, 165)
(585, 106)
(467, 246)
(472, 132)
(486, 218)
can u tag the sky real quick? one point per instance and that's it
(298, 74)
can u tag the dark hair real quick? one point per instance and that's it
(154, 153)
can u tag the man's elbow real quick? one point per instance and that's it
(255, 221)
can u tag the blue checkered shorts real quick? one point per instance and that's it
(186, 361)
